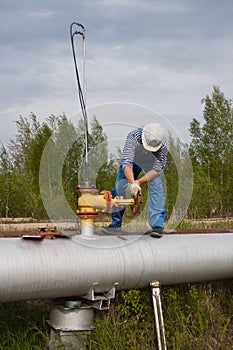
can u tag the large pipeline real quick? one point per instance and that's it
(65, 267)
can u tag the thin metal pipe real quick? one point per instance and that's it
(155, 286)
(63, 267)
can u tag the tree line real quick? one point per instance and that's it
(210, 151)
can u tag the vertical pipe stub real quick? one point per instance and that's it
(85, 212)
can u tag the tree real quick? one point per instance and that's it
(5, 181)
(211, 148)
(61, 168)
(20, 146)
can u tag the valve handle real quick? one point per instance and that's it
(136, 206)
(108, 197)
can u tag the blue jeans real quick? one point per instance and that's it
(156, 209)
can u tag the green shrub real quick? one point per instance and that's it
(196, 316)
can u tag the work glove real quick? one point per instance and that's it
(133, 189)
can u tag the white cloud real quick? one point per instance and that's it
(165, 6)
(162, 54)
(40, 14)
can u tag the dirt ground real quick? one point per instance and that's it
(18, 226)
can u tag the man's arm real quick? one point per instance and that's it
(150, 175)
(128, 172)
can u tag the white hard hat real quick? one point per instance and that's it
(152, 136)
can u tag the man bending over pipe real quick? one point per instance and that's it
(145, 150)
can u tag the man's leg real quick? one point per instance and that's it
(119, 190)
(156, 209)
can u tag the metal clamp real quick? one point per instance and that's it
(100, 300)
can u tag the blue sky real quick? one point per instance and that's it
(165, 55)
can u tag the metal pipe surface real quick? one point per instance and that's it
(64, 267)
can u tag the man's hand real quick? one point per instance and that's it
(133, 189)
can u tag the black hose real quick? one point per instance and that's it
(80, 92)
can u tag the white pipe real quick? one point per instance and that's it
(64, 267)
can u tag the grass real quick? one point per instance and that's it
(206, 224)
(196, 316)
(23, 326)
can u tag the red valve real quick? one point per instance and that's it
(108, 198)
(136, 206)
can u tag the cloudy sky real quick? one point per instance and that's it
(165, 55)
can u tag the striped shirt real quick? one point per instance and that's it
(134, 152)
